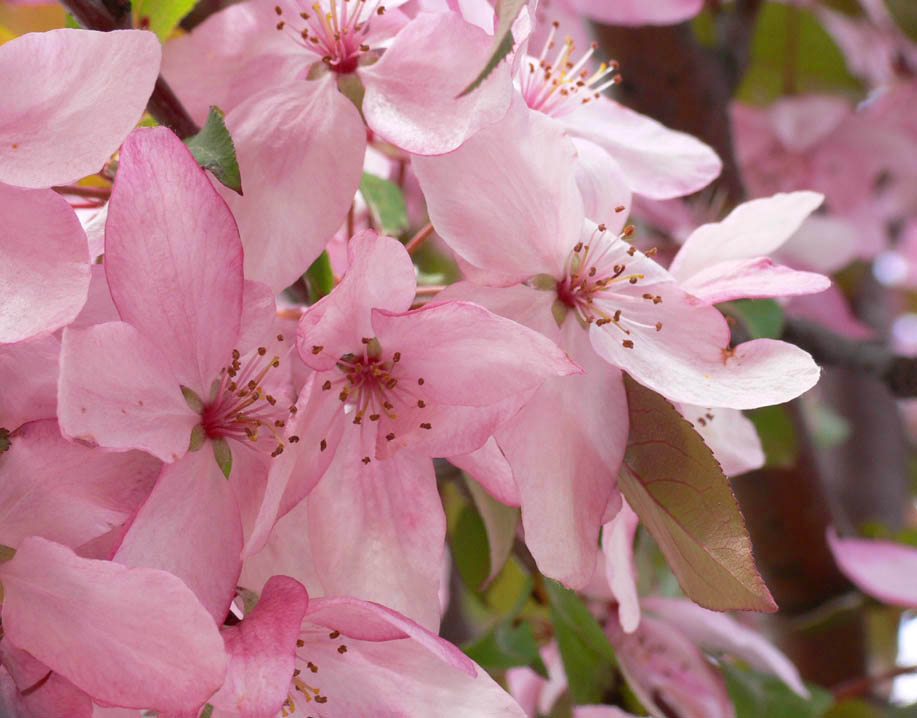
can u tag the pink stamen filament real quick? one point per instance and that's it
(559, 88)
(337, 34)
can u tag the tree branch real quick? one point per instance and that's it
(107, 15)
(898, 373)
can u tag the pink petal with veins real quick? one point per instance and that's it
(129, 637)
(44, 275)
(51, 134)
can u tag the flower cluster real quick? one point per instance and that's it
(219, 484)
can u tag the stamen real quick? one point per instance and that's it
(560, 87)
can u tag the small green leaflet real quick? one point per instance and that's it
(161, 16)
(762, 318)
(386, 204)
(503, 42)
(207, 712)
(505, 646)
(213, 149)
(759, 695)
(672, 481)
(223, 455)
(777, 433)
(588, 658)
(319, 278)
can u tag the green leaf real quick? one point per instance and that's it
(857, 708)
(506, 646)
(672, 481)
(198, 435)
(70, 21)
(500, 524)
(778, 435)
(386, 204)
(762, 318)
(319, 277)
(469, 548)
(213, 149)
(588, 658)
(207, 711)
(161, 16)
(819, 65)
(6, 553)
(503, 42)
(4, 440)
(511, 590)
(192, 399)
(759, 695)
(223, 455)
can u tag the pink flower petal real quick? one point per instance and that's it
(416, 675)
(244, 54)
(489, 467)
(369, 621)
(603, 185)
(753, 229)
(687, 360)
(51, 134)
(287, 552)
(883, 569)
(600, 712)
(295, 472)
(566, 478)
(130, 637)
(665, 669)
(720, 632)
(469, 356)
(381, 274)
(390, 548)
(44, 275)
(758, 277)
(259, 313)
(501, 220)
(99, 307)
(618, 547)
(637, 12)
(66, 492)
(300, 148)
(189, 526)
(173, 257)
(412, 93)
(55, 697)
(657, 162)
(134, 402)
(29, 370)
(261, 650)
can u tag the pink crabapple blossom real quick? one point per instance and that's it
(190, 370)
(392, 388)
(288, 74)
(606, 303)
(618, 148)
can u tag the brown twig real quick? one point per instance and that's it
(862, 686)
(899, 373)
(419, 238)
(82, 191)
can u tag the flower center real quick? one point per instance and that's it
(308, 669)
(376, 392)
(560, 87)
(598, 280)
(334, 29)
(241, 408)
